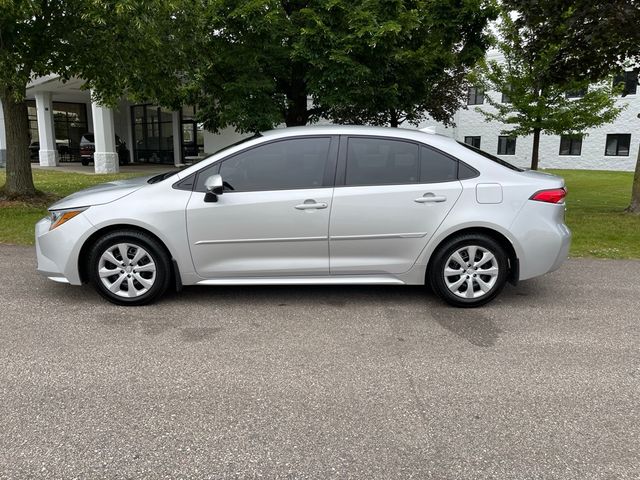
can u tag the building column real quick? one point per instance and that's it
(177, 138)
(105, 156)
(3, 140)
(46, 132)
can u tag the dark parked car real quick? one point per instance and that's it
(34, 149)
(88, 146)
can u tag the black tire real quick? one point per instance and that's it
(85, 163)
(156, 254)
(436, 274)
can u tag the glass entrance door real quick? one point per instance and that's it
(192, 135)
(152, 134)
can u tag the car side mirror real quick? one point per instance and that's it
(214, 186)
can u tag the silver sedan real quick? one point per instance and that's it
(314, 205)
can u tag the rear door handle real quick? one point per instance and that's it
(311, 205)
(431, 198)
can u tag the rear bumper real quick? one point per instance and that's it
(544, 238)
(565, 244)
(57, 250)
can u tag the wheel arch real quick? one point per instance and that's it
(83, 266)
(501, 238)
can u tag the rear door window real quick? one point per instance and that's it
(437, 167)
(376, 161)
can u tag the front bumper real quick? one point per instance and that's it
(57, 250)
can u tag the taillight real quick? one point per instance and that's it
(553, 195)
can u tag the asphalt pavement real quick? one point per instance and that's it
(322, 382)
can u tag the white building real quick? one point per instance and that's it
(610, 147)
(60, 113)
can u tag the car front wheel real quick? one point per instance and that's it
(129, 268)
(469, 270)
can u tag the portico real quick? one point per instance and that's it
(61, 114)
(64, 112)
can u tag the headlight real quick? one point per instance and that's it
(58, 217)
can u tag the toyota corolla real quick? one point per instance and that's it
(314, 205)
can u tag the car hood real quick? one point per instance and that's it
(101, 194)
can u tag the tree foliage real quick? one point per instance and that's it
(138, 49)
(536, 103)
(396, 61)
(592, 39)
(34, 40)
(589, 39)
(363, 61)
(121, 47)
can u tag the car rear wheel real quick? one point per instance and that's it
(469, 270)
(129, 268)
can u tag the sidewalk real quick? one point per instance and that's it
(77, 167)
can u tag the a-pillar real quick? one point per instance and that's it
(105, 156)
(48, 154)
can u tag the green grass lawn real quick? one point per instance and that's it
(595, 210)
(595, 214)
(17, 219)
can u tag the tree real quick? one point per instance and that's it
(362, 61)
(152, 46)
(131, 47)
(396, 61)
(592, 40)
(33, 40)
(538, 104)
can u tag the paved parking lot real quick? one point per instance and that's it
(322, 382)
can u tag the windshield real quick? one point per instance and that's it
(239, 142)
(170, 173)
(493, 158)
(165, 175)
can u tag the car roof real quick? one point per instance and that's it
(403, 133)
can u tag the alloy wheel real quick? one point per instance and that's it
(471, 271)
(127, 270)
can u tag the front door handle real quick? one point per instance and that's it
(431, 198)
(311, 205)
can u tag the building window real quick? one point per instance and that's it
(473, 141)
(506, 145)
(577, 93)
(152, 134)
(33, 120)
(475, 96)
(69, 124)
(618, 145)
(629, 81)
(505, 97)
(570, 145)
(192, 133)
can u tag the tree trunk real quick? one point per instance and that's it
(634, 206)
(19, 179)
(536, 149)
(297, 113)
(393, 118)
